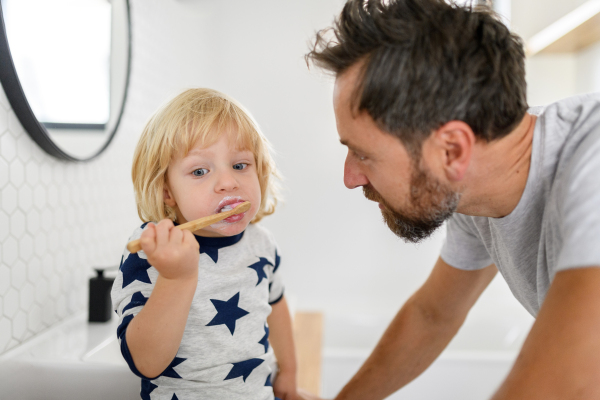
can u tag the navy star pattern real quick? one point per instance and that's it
(174, 397)
(259, 267)
(227, 312)
(137, 300)
(135, 269)
(268, 382)
(170, 372)
(277, 261)
(147, 388)
(243, 368)
(265, 339)
(212, 252)
(123, 325)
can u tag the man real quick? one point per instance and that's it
(430, 100)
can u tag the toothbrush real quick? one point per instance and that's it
(134, 246)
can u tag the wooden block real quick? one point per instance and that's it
(308, 336)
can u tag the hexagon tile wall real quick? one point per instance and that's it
(58, 219)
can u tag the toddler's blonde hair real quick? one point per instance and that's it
(196, 115)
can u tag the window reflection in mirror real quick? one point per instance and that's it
(72, 61)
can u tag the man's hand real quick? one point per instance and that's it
(173, 252)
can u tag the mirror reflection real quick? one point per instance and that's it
(74, 74)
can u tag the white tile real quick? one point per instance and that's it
(60, 262)
(14, 126)
(3, 100)
(4, 279)
(9, 198)
(39, 196)
(24, 147)
(40, 246)
(12, 344)
(17, 224)
(32, 173)
(46, 172)
(25, 198)
(58, 172)
(65, 195)
(10, 250)
(35, 318)
(41, 291)
(4, 174)
(3, 120)
(18, 274)
(19, 325)
(17, 172)
(53, 242)
(11, 302)
(47, 223)
(61, 306)
(8, 146)
(33, 221)
(53, 196)
(49, 312)
(26, 247)
(54, 286)
(4, 225)
(47, 266)
(34, 270)
(27, 297)
(5, 333)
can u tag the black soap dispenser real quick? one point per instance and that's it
(100, 304)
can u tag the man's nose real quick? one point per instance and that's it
(226, 182)
(353, 177)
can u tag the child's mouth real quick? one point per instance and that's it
(228, 204)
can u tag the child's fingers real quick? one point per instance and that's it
(189, 239)
(175, 235)
(162, 231)
(148, 239)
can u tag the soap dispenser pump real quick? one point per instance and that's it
(100, 304)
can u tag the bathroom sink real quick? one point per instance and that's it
(73, 360)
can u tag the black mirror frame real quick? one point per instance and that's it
(18, 101)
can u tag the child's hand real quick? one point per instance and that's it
(173, 252)
(284, 386)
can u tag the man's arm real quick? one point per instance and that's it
(561, 357)
(420, 331)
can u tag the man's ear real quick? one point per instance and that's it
(168, 197)
(455, 140)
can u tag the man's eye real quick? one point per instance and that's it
(240, 166)
(200, 172)
(359, 156)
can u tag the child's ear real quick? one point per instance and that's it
(168, 197)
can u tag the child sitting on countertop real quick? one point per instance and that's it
(199, 311)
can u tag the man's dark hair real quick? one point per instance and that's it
(427, 62)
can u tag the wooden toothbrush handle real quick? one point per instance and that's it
(135, 245)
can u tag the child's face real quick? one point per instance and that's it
(210, 178)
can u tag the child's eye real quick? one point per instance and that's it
(240, 166)
(200, 172)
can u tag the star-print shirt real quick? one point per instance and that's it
(224, 352)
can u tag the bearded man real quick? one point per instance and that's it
(430, 99)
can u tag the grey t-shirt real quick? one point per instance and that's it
(556, 224)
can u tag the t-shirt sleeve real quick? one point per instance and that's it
(580, 208)
(276, 287)
(131, 289)
(463, 248)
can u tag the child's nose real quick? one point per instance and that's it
(226, 182)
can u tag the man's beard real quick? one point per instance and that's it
(432, 203)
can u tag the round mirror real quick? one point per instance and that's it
(65, 71)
